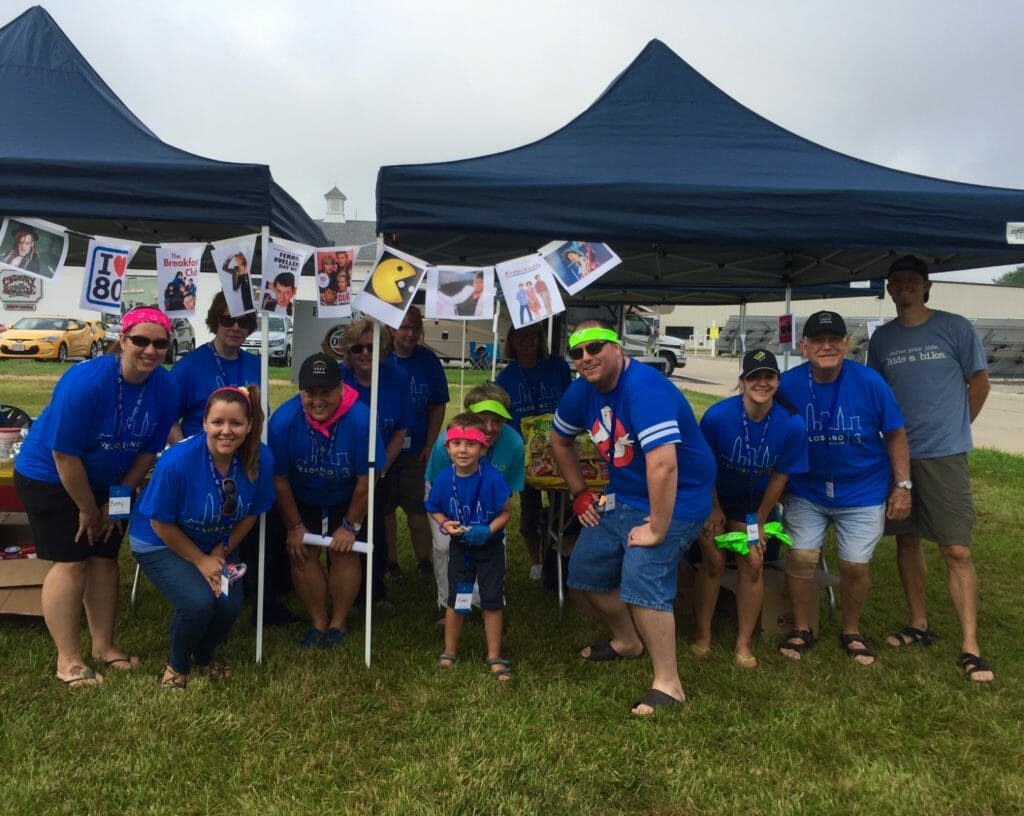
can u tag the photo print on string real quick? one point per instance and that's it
(106, 266)
(334, 280)
(33, 246)
(459, 293)
(529, 288)
(177, 277)
(390, 287)
(577, 264)
(233, 259)
(281, 274)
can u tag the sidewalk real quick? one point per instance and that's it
(1000, 424)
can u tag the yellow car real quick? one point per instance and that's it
(49, 338)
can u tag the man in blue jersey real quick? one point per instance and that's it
(661, 472)
(859, 476)
(936, 366)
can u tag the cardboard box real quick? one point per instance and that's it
(21, 579)
(777, 612)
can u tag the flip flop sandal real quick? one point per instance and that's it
(804, 642)
(130, 662)
(215, 670)
(172, 680)
(971, 665)
(655, 699)
(500, 668)
(81, 675)
(864, 650)
(745, 661)
(910, 636)
(603, 651)
(447, 660)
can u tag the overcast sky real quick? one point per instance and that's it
(327, 92)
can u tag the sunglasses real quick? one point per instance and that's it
(227, 321)
(142, 342)
(229, 497)
(593, 349)
(359, 348)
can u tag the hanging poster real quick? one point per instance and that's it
(787, 341)
(528, 286)
(281, 276)
(232, 258)
(577, 264)
(334, 281)
(106, 262)
(459, 292)
(177, 277)
(33, 246)
(390, 287)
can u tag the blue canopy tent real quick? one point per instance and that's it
(693, 191)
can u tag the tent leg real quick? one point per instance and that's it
(264, 401)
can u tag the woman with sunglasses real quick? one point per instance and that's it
(204, 496)
(394, 416)
(535, 382)
(76, 473)
(758, 440)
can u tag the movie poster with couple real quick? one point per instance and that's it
(531, 294)
(177, 277)
(334, 280)
(459, 293)
(577, 264)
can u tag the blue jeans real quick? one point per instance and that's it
(201, 621)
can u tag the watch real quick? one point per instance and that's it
(352, 528)
(906, 485)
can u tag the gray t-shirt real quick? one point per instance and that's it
(927, 367)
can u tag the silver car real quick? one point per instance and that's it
(279, 341)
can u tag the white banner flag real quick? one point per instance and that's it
(281, 276)
(106, 265)
(233, 259)
(177, 277)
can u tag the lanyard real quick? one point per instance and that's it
(752, 453)
(121, 434)
(610, 428)
(831, 414)
(218, 480)
(473, 500)
(224, 381)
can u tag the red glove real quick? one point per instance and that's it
(583, 501)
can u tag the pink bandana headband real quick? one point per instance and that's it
(145, 314)
(234, 388)
(470, 434)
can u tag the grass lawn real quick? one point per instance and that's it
(321, 733)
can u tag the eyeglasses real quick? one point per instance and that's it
(227, 321)
(593, 349)
(359, 348)
(228, 497)
(140, 341)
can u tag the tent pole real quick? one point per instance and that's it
(261, 570)
(789, 301)
(462, 368)
(743, 328)
(494, 348)
(371, 496)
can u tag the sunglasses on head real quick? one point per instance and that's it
(228, 497)
(359, 348)
(227, 321)
(139, 341)
(593, 349)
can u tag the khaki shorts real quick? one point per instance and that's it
(943, 505)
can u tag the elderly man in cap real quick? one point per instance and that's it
(856, 440)
(659, 495)
(933, 358)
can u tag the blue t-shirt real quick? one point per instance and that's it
(536, 390)
(928, 366)
(184, 491)
(748, 452)
(394, 400)
(644, 407)
(470, 500)
(846, 443)
(322, 469)
(98, 416)
(428, 386)
(507, 457)
(201, 373)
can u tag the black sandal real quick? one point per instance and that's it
(804, 643)
(911, 636)
(971, 665)
(864, 650)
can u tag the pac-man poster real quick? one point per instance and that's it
(389, 289)
(528, 285)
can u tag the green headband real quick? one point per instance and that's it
(593, 333)
(737, 542)
(493, 406)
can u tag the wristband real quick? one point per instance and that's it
(583, 501)
(295, 526)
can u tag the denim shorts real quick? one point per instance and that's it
(858, 529)
(645, 576)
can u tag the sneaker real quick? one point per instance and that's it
(311, 638)
(332, 638)
(536, 572)
(425, 568)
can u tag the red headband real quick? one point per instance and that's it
(145, 315)
(471, 434)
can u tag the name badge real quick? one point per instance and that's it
(225, 581)
(753, 530)
(463, 598)
(830, 490)
(120, 504)
(407, 443)
(607, 503)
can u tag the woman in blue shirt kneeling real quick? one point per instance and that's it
(205, 495)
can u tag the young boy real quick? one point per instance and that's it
(470, 501)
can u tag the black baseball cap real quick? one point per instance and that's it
(758, 360)
(824, 323)
(911, 263)
(319, 371)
